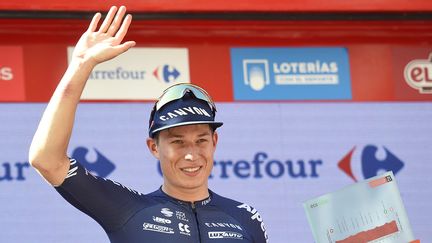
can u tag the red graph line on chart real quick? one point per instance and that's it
(373, 234)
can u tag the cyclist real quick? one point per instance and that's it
(182, 135)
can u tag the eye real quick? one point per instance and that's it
(202, 140)
(177, 141)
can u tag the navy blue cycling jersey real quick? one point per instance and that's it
(129, 216)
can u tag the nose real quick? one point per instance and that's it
(189, 156)
(191, 153)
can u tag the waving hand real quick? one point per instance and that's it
(49, 146)
(99, 45)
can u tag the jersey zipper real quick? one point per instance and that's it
(196, 220)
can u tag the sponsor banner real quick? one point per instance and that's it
(291, 73)
(285, 155)
(413, 73)
(11, 74)
(138, 74)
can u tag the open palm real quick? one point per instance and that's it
(101, 45)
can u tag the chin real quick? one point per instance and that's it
(193, 185)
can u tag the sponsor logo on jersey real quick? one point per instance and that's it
(255, 216)
(223, 225)
(161, 220)
(167, 212)
(157, 228)
(184, 229)
(205, 202)
(224, 235)
(181, 216)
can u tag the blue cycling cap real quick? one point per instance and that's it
(186, 110)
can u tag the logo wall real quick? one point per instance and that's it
(101, 166)
(290, 73)
(11, 74)
(370, 165)
(418, 75)
(412, 73)
(138, 74)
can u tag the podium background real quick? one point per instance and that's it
(298, 133)
(299, 142)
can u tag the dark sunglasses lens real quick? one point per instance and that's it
(177, 91)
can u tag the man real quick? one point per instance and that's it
(181, 135)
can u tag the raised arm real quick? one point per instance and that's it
(48, 149)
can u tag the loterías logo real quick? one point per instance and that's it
(370, 164)
(166, 73)
(101, 166)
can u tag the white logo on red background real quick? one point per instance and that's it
(6, 73)
(418, 75)
(11, 74)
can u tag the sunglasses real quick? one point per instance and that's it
(177, 91)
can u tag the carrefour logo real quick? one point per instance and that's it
(118, 73)
(370, 165)
(100, 166)
(166, 73)
(262, 165)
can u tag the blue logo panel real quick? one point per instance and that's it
(291, 74)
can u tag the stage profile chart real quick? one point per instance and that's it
(368, 211)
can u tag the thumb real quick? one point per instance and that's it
(124, 47)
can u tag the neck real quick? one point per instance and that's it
(186, 194)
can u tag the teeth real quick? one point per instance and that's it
(193, 169)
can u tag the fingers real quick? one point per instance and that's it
(124, 47)
(128, 44)
(117, 21)
(123, 29)
(94, 22)
(108, 19)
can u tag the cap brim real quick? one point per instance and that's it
(213, 124)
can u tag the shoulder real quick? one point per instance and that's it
(236, 208)
(247, 215)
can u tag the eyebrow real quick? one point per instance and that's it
(204, 134)
(171, 135)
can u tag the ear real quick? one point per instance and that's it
(215, 139)
(153, 147)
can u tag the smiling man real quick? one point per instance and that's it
(182, 135)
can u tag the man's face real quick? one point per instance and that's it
(186, 156)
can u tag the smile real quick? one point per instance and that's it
(191, 169)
